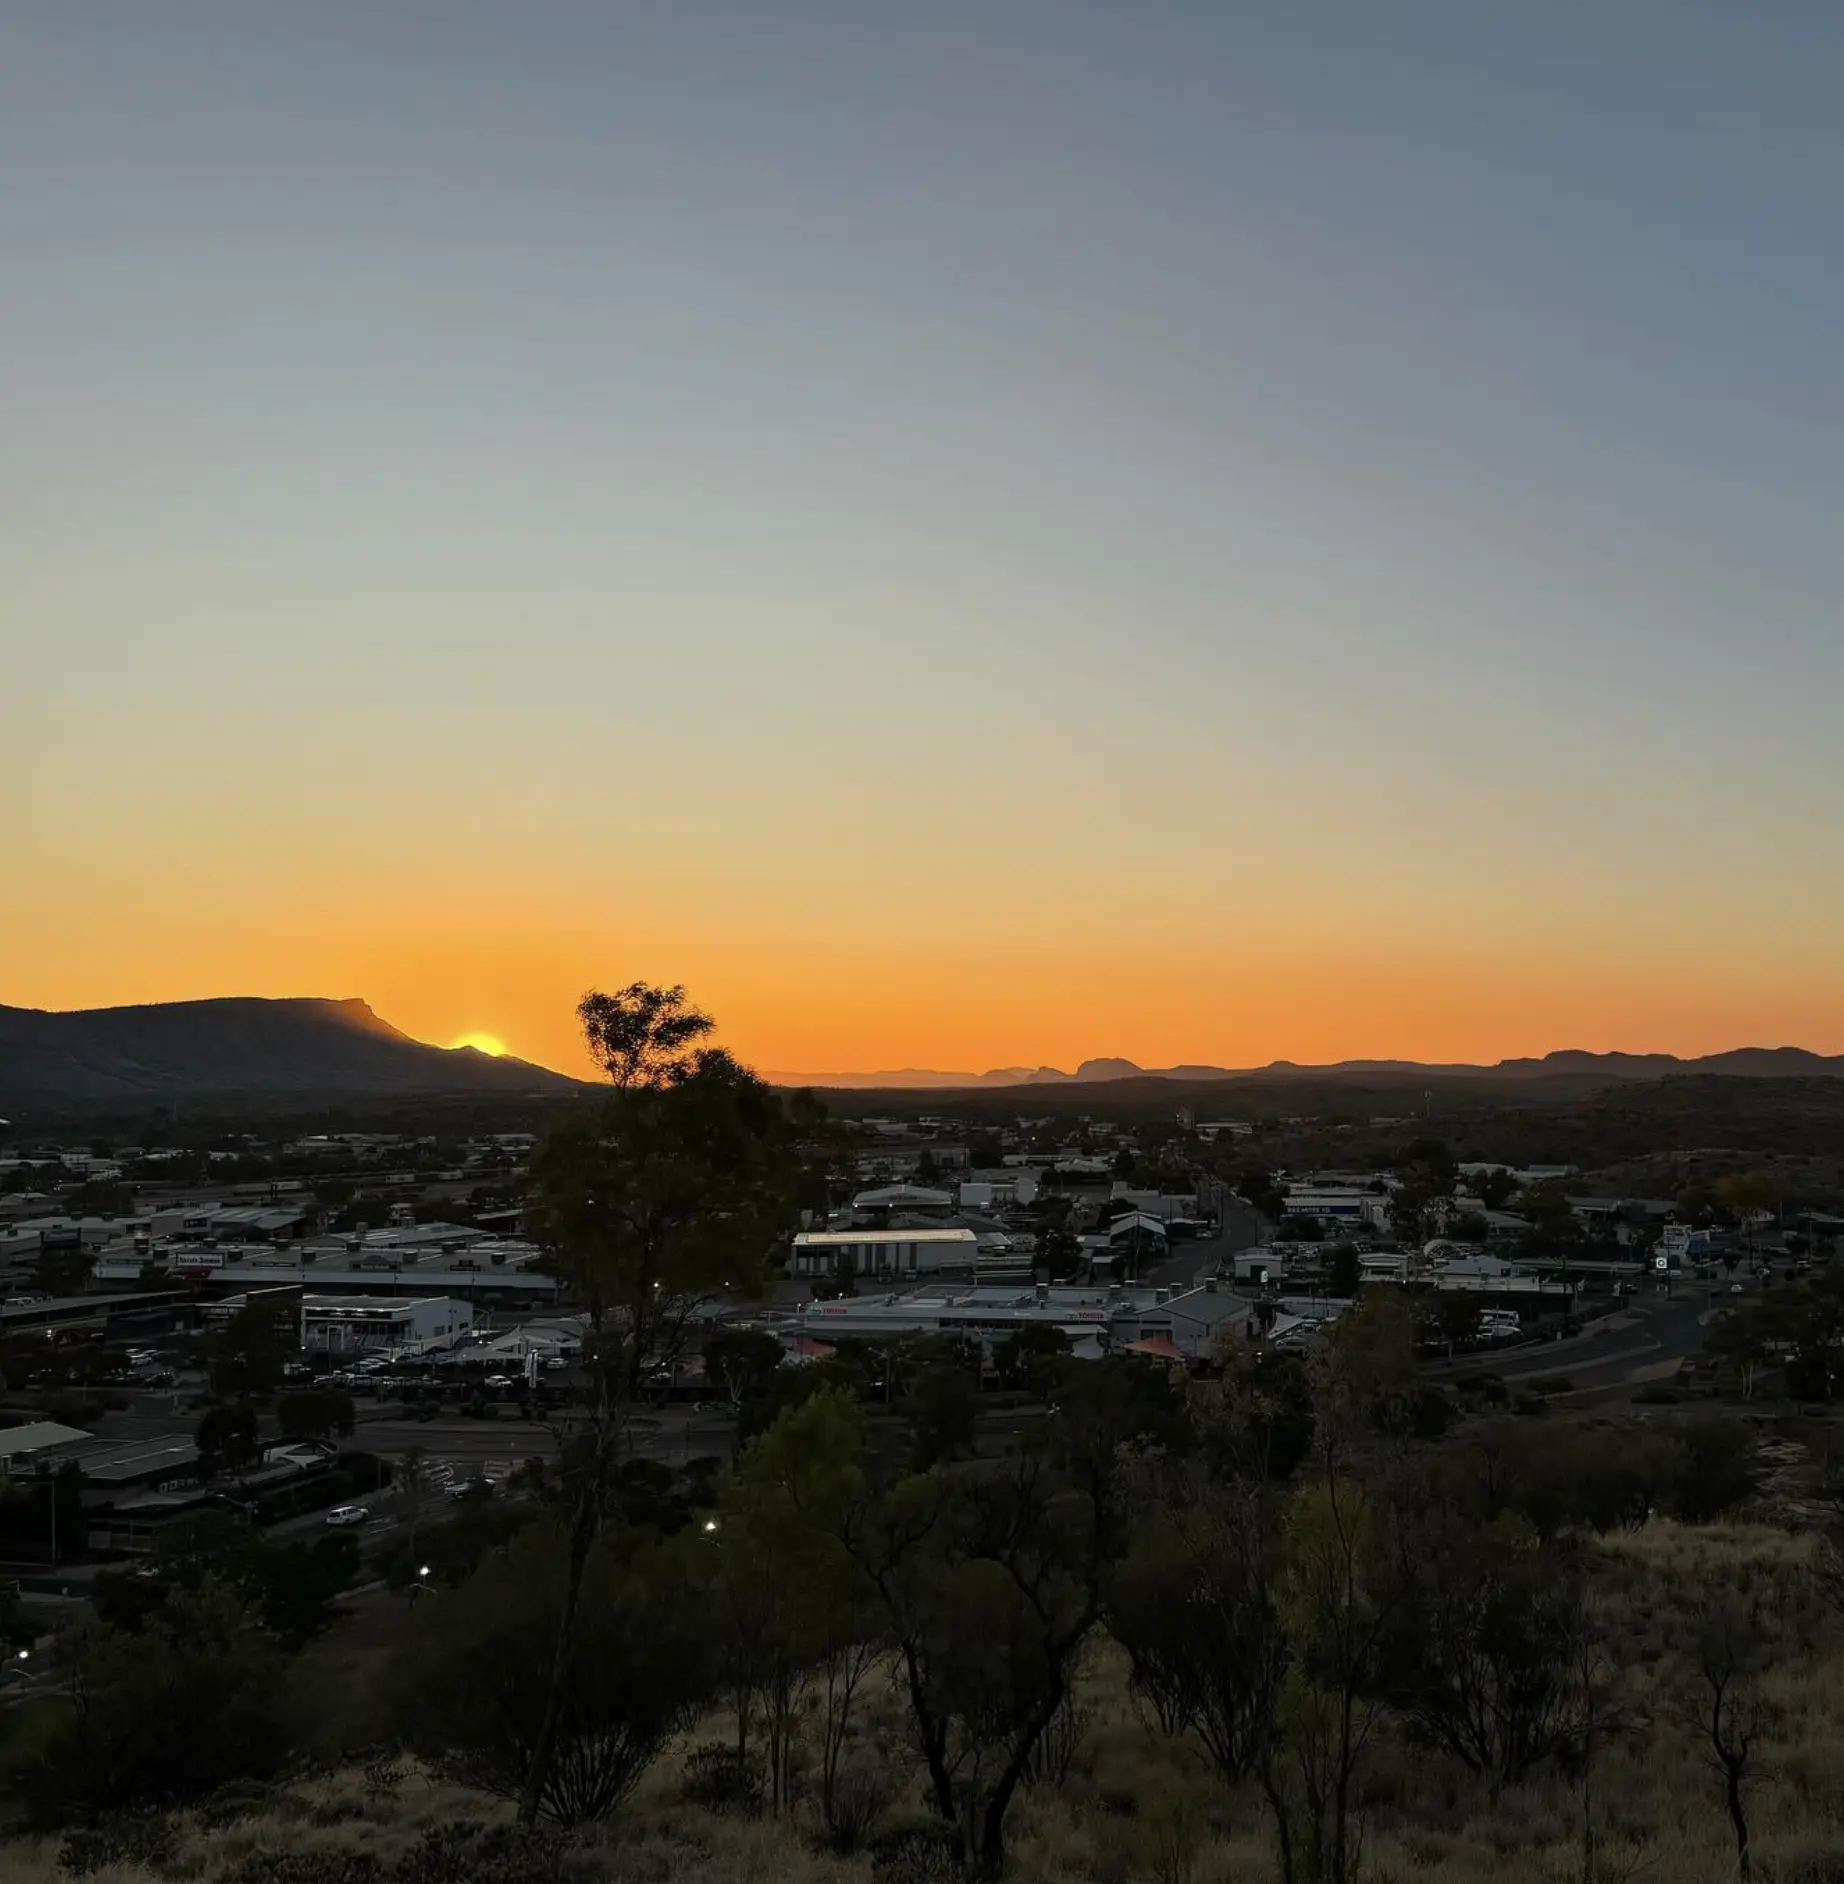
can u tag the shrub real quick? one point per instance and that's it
(720, 1779)
(916, 1854)
(143, 1841)
(1716, 1468)
(240, 1799)
(307, 1867)
(858, 1799)
(474, 1686)
(470, 1853)
(174, 1709)
(1816, 1867)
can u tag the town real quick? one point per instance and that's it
(382, 1288)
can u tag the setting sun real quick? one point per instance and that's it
(481, 1043)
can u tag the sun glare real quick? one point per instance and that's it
(481, 1043)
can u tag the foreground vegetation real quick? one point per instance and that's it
(1291, 1623)
(1119, 1799)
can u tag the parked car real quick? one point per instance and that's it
(348, 1514)
(498, 1381)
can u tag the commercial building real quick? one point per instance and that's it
(39, 1445)
(998, 1190)
(1108, 1319)
(1327, 1205)
(908, 1197)
(349, 1324)
(883, 1252)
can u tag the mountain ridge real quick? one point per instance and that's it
(242, 1047)
(1736, 1062)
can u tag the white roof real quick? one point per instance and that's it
(1138, 1220)
(37, 1436)
(832, 1239)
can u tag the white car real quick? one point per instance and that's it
(348, 1514)
(496, 1381)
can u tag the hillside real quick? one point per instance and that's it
(243, 1050)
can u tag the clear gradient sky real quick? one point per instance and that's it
(970, 534)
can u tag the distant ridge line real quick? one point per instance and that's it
(1738, 1062)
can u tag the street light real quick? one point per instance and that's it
(710, 1524)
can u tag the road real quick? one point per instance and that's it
(1191, 1262)
(672, 1435)
(1645, 1342)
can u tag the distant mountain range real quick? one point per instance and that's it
(240, 1050)
(248, 1052)
(1741, 1062)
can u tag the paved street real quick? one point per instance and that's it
(1646, 1341)
(672, 1435)
(1191, 1262)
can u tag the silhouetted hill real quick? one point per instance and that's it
(1569, 1063)
(245, 1050)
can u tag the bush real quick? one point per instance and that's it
(241, 1799)
(720, 1779)
(860, 1796)
(147, 1842)
(1552, 1383)
(175, 1709)
(307, 1867)
(916, 1854)
(470, 1853)
(1716, 1468)
(474, 1685)
(1816, 1867)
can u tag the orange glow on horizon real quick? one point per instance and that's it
(489, 1044)
(807, 1007)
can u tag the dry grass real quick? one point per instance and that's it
(1136, 1807)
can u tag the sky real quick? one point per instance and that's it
(970, 535)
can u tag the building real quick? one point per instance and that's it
(40, 1445)
(1358, 1208)
(1108, 1318)
(259, 1223)
(1680, 1244)
(908, 1197)
(149, 1311)
(1163, 1206)
(998, 1190)
(911, 1252)
(347, 1324)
